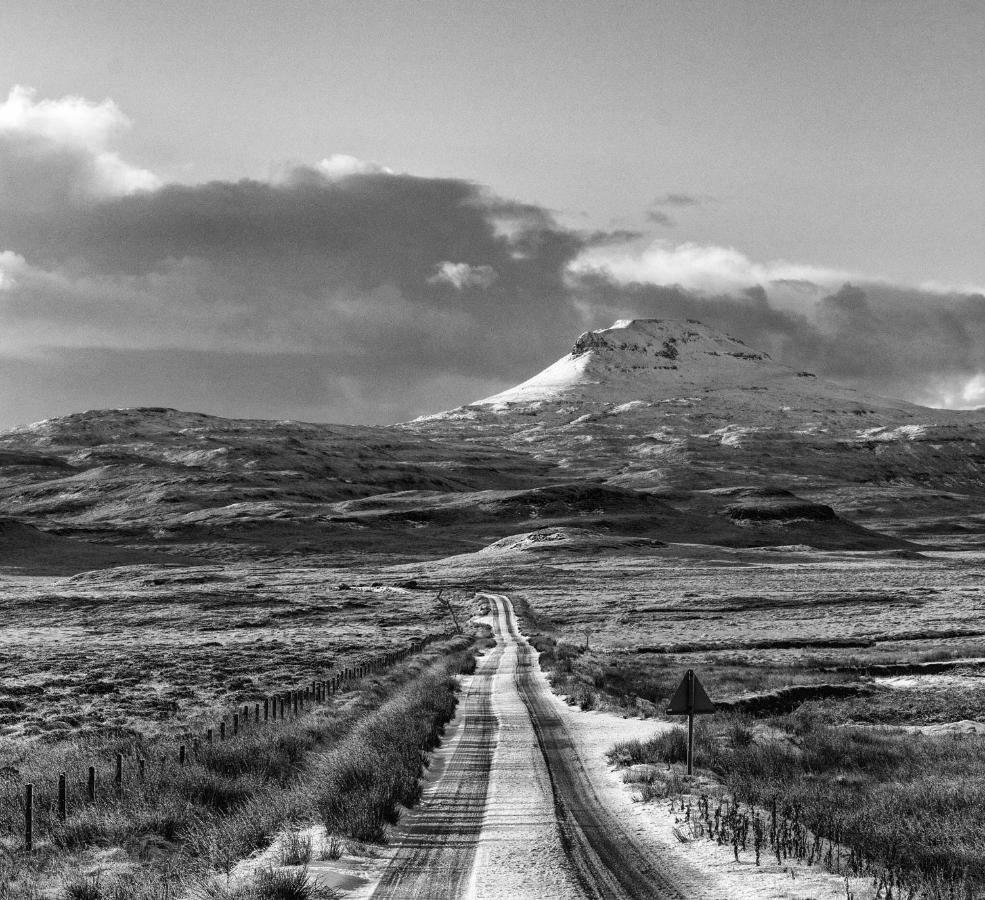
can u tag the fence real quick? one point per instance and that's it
(275, 708)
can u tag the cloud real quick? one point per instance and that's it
(461, 275)
(660, 218)
(927, 347)
(59, 151)
(341, 165)
(683, 200)
(324, 293)
(699, 267)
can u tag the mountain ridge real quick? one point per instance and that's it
(671, 418)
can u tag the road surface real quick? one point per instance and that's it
(514, 814)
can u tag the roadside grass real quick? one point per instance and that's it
(365, 779)
(181, 824)
(642, 683)
(906, 808)
(266, 884)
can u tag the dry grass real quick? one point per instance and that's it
(906, 808)
(233, 798)
(147, 651)
(366, 778)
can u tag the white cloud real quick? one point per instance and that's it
(74, 129)
(698, 267)
(958, 394)
(461, 275)
(10, 264)
(341, 165)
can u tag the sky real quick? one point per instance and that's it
(361, 212)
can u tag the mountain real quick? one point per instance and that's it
(649, 430)
(650, 403)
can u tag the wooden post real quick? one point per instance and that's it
(266, 709)
(235, 724)
(181, 755)
(91, 785)
(256, 712)
(119, 771)
(29, 817)
(222, 730)
(140, 767)
(62, 798)
(208, 736)
(690, 721)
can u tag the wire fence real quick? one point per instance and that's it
(24, 807)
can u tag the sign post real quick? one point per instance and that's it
(690, 700)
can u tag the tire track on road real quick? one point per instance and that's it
(545, 834)
(435, 851)
(608, 862)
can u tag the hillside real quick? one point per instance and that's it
(665, 405)
(653, 430)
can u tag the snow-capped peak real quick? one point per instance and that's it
(643, 358)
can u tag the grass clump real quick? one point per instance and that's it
(377, 768)
(295, 849)
(267, 884)
(905, 808)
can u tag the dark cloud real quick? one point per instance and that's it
(660, 218)
(350, 293)
(310, 387)
(673, 199)
(423, 290)
(611, 238)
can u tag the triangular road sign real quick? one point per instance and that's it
(690, 698)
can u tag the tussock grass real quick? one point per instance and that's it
(907, 808)
(266, 884)
(377, 767)
(233, 798)
(295, 849)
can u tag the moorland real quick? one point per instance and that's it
(662, 498)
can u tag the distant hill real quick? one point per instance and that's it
(653, 430)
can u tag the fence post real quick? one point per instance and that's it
(222, 730)
(208, 736)
(266, 709)
(181, 755)
(91, 785)
(256, 712)
(140, 768)
(29, 817)
(119, 771)
(62, 798)
(235, 724)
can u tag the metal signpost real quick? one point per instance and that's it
(690, 700)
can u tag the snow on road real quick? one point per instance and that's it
(520, 803)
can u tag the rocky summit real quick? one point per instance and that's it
(657, 404)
